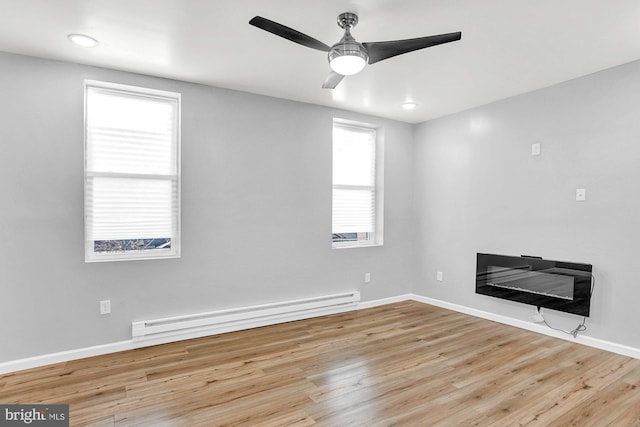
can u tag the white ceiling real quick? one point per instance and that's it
(508, 46)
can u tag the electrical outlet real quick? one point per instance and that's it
(367, 277)
(439, 276)
(535, 149)
(581, 194)
(105, 307)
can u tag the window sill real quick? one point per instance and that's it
(93, 258)
(347, 246)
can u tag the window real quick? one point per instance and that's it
(132, 173)
(356, 196)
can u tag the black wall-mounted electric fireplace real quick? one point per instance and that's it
(557, 285)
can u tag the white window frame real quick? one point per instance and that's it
(378, 186)
(92, 255)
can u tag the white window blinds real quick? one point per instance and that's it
(131, 172)
(354, 185)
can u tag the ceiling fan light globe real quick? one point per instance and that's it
(348, 57)
(347, 65)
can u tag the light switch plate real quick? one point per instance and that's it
(581, 194)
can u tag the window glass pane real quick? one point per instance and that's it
(131, 245)
(353, 211)
(130, 134)
(128, 208)
(353, 156)
(352, 237)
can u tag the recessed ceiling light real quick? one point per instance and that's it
(409, 105)
(83, 40)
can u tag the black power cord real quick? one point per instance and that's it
(581, 327)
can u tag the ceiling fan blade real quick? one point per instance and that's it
(332, 80)
(288, 33)
(384, 50)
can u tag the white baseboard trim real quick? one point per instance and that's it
(384, 301)
(98, 350)
(63, 356)
(534, 327)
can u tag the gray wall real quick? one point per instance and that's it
(256, 205)
(256, 211)
(478, 189)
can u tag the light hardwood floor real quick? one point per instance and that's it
(405, 364)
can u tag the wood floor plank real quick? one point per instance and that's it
(402, 364)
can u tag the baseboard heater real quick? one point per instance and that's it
(157, 331)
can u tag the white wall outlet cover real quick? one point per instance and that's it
(581, 194)
(535, 149)
(105, 307)
(439, 276)
(367, 277)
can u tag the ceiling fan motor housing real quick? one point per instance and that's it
(348, 57)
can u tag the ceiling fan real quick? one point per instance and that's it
(348, 57)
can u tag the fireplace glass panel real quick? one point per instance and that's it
(558, 285)
(535, 282)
